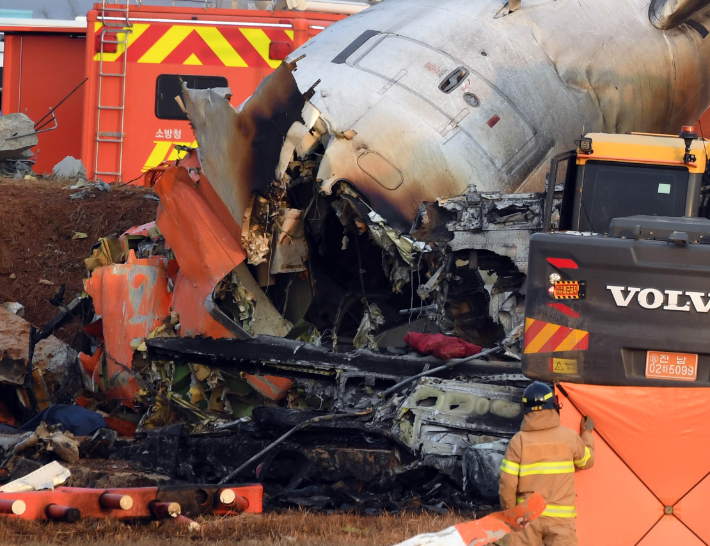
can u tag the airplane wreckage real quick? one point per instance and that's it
(380, 186)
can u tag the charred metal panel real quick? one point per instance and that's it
(240, 150)
(668, 14)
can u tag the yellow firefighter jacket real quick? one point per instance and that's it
(543, 458)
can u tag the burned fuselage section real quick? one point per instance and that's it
(326, 256)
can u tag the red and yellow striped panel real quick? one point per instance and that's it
(545, 337)
(199, 45)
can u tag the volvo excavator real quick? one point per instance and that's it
(617, 316)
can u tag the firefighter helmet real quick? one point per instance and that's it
(538, 396)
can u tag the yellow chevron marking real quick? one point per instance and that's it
(289, 33)
(159, 152)
(135, 33)
(543, 337)
(166, 44)
(175, 154)
(571, 340)
(192, 59)
(260, 41)
(164, 150)
(221, 47)
(528, 323)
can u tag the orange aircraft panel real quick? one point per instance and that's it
(189, 303)
(208, 246)
(661, 433)
(614, 507)
(133, 299)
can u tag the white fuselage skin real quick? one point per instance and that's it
(534, 81)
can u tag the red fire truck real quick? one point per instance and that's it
(124, 119)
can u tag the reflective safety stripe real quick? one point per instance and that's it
(557, 510)
(561, 467)
(546, 397)
(510, 467)
(587, 455)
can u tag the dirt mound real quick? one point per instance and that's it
(38, 225)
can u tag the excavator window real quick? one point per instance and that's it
(616, 190)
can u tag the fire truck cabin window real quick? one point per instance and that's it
(168, 87)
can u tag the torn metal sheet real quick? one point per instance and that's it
(245, 150)
(47, 477)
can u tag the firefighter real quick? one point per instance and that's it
(543, 457)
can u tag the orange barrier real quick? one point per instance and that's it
(72, 503)
(650, 478)
(486, 530)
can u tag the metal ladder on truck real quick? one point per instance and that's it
(116, 27)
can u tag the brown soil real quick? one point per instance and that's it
(291, 528)
(37, 223)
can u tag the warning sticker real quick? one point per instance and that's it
(563, 365)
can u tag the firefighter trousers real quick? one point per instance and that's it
(545, 531)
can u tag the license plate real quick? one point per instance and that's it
(678, 366)
(566, 290)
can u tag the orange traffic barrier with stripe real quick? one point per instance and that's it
(485, 530)
(545, 337)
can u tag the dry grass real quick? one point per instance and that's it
(291, 528)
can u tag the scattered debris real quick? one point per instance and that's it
(47, 477)
(270, 330)
(70, 168)
(54, 374)
(14, 307)
(290, 340)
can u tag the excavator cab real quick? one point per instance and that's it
(617, 312)
(622, 268)
(615, 176)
